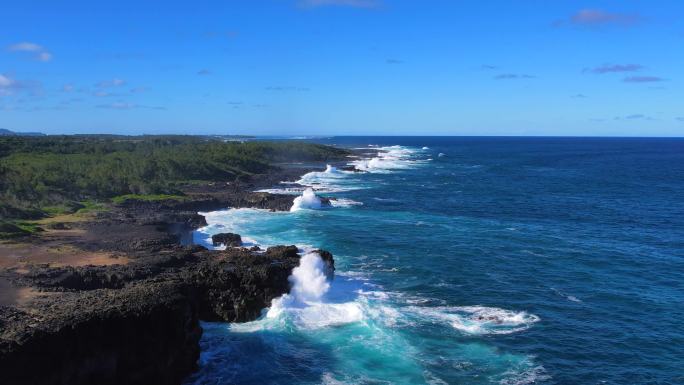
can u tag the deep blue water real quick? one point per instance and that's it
(505, 260)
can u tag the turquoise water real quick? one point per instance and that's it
(500, 261)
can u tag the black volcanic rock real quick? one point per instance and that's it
(209, 201)
(259, 277)
(60, 226)
(286, 251)
(351, 168)
(136, 323)
(142, 334)
(227, 239)
(327, 257)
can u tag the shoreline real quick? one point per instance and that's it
(83, 319)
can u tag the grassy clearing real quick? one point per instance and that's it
(10, 229)
(91, 207)
(148, 198)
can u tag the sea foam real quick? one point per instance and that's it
(308, 200)
(311, 304)
(330, 180)
(477, 319)
(344, 202)
(389, 158)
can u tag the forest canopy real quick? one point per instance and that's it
(36, 172)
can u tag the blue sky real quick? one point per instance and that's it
(354, 67)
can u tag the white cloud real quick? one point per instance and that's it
(116, 82)
(118, 106)
(40, 53)
(44, 56)
(26, 47)
(5, 82)
(128, 106)
(7, 85)
(10, 86)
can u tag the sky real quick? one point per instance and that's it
(343, 67)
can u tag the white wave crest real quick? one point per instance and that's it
(344, 202)
(330, 180)
(389, 158)
(283, 190)
(525, 376)
(308, 200)
(478, 319)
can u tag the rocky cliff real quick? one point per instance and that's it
(136, 323)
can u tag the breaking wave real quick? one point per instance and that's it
(330, 180)
(311, 304)
(478, 320)
(308, 200)
(344, 202)
(388, 159)
(295, 190)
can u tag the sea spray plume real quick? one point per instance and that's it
(309, 281)
(330, 169)
(308, 200)
(306, 305)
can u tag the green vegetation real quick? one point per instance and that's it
(90, 207)
(16, 229)
(29, 227)
(58, 174)
(147, 198)
(10, 230)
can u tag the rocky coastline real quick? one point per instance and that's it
(135, 317)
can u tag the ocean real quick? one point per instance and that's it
(471, 261)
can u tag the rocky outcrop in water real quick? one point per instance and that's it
(226, 239)
(351, 168)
